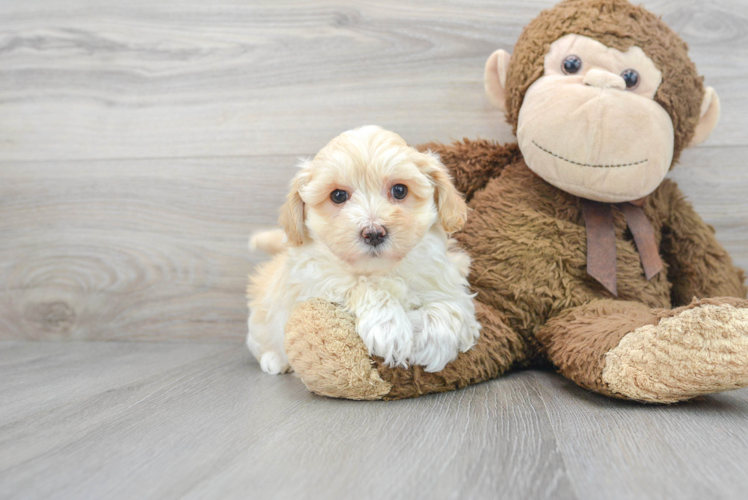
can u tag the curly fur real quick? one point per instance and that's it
(408, 293)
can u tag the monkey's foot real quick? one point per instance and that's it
(697, 349)
(328, 355)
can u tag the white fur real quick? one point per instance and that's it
(420, 312)
(411, 309)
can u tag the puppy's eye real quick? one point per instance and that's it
(571, 65)
(339, 196)
(631, 77)
(399, 191)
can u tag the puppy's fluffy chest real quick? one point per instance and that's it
(315, 273)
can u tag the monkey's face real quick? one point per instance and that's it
(590, 125)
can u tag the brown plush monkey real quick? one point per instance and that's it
(584, 255)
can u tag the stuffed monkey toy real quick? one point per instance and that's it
(584, 255)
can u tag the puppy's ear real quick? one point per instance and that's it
(292, 212)
(449, 202)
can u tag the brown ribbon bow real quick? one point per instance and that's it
(601, 240)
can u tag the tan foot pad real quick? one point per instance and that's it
(698, 351)
(328, 356)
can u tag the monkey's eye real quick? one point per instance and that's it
(572, 64)
(399, 191)
(631, 77)
(339, 196)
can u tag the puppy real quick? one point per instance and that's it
(366, 226)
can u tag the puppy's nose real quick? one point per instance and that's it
(374, 236)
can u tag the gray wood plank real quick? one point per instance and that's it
(40, 376)
(156, 249)
(489, 441)
(217, 427)
(212, 425)
(132, 249)
(89, 79)
(692, 450)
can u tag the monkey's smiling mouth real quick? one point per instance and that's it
(588, 164)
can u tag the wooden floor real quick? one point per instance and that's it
(141, 142)
(164, 420)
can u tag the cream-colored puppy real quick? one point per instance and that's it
(366, 226)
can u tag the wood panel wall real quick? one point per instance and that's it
(141, 142)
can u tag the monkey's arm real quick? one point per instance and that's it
(473, 163)
(698, 265)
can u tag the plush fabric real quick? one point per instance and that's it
(620, 25)
(536, 302)
(699, 349)
(527, 238)
(586, 134)
(322, 346)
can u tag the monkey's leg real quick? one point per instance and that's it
(330, 358)
(629, 351)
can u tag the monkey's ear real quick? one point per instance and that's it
(292, 212)
(709, 116)
(494, 78)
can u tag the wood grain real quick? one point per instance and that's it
(137, 250)
(38, 377)
(694, 450)
(158, 420)
(217, 427)
(101, 80)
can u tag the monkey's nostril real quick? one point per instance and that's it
(374, 236)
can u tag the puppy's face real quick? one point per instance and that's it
(370, 198)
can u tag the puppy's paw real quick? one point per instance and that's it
(274, 364)
(388, 334)
(469, 333)
(441, 337)
(435, 347)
